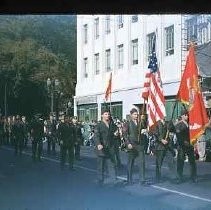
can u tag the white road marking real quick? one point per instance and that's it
(123, 178)
(181, 193)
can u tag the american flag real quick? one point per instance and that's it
(154, 92)
(145, 92)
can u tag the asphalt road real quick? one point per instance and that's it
(25, 185)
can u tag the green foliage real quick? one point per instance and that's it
(34, 48)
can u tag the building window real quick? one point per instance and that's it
(96, 25)
(134, 51)
(169, 32)
(108, 60)
(120, 21)
(120, 56)
(203, 35)
(108, 24)
(96, 62)
(93, 113)
(85, 33)
(150, 40)
(191, 29)
(85, 67)
(81, 114)
(134, 18)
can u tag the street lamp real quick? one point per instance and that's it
(69, 108)
(53, 87)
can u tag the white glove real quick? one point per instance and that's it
(143, 131)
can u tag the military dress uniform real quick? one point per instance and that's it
(162, 150)
(67, 141)
(185, 148)
(104, 135)
(18, 133)
(135, 137)
(1, 131)
(118, 145)
(78, 140)
(37, 133)
(26, 133)
(51, 135)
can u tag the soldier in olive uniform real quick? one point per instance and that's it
(18, 134)
(1, 130)
(118, 139)
(163, 147)
(66, 141)
(26, 130)
(185, 148)
(133, 133)
(37, 133)
(78, 137)
(51, 134)
(105, 146)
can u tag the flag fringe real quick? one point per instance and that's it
(195, 138)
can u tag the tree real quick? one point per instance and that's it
(34, 48)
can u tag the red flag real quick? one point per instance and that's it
(183, 94)
(190, 94)
(108, 89)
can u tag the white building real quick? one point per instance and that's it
(121, 44)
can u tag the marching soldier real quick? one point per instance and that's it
(5, 136)
(66, 141)
(163, 147)
(135, 145)
(1, 131)
(78, 137)
(118, 140)
(185, 148)
(105, 146)
(18, 134)
(26, 130)
(37, 132)
(51, 134)
(13, 120)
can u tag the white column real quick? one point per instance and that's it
(99, 111)
(75, 106)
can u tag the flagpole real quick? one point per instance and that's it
(110, 102)
(172, 114)
(143, 107)
(110, 90)
(141, 113)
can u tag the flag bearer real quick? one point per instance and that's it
(185, 148)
